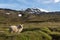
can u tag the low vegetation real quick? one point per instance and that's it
(42, 26)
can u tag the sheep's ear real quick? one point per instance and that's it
(21, 24)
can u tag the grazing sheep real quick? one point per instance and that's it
(16, 29)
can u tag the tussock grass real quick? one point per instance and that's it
(32, 31)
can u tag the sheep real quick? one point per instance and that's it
(16, 29)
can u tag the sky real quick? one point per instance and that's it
(49, 5)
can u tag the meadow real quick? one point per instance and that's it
(33, 31)
(43, 26)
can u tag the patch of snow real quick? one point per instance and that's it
(43, 10)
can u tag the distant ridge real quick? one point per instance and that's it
(29, 14)
(7, 9)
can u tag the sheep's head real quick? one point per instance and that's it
(21, 25)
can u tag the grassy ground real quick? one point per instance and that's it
(32, 31)
(43, 26)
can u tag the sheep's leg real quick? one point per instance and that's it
(20, 30)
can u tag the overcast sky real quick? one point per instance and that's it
(50, 5)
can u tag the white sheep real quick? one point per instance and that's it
(16, 29)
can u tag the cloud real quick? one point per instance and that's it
(50, 1)
(56, 1)
(47, 1)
